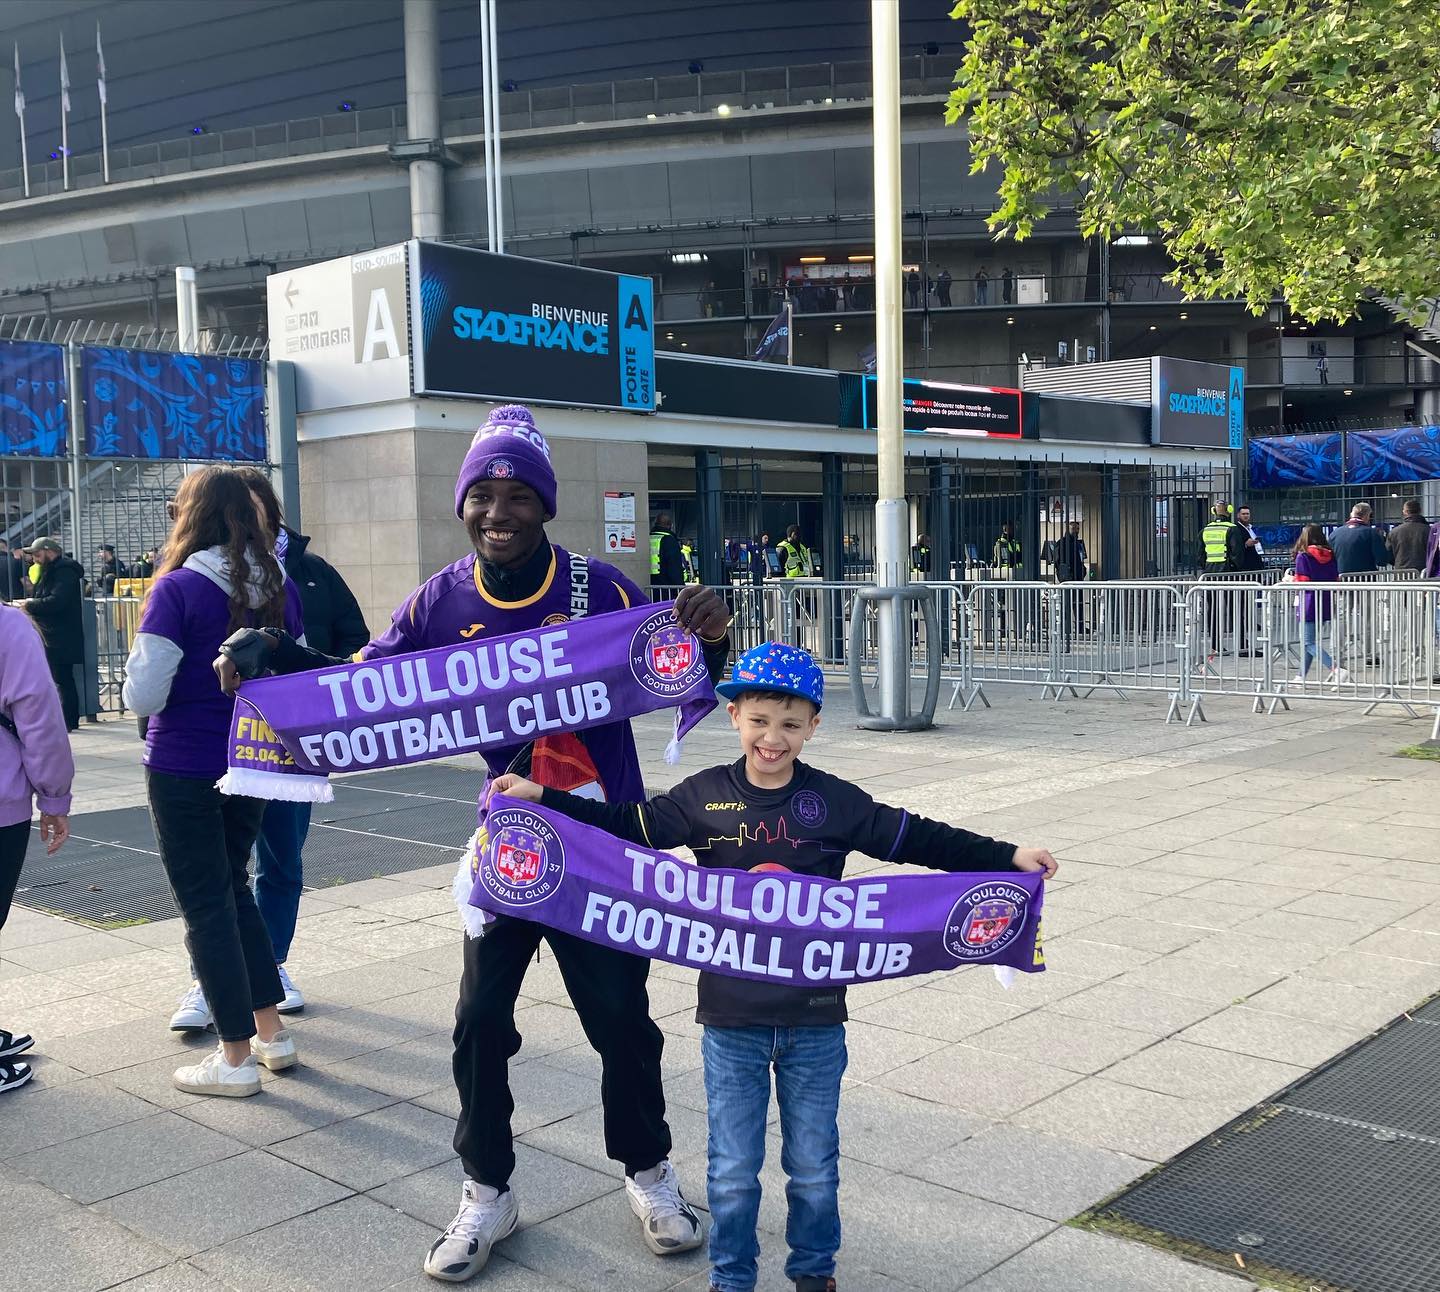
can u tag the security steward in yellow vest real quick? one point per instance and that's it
(1224, 545)
(687, 561)
(796, 560)
(667, 565)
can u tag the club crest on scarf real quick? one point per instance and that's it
(665, 659)
(986, 919)
(522, 861)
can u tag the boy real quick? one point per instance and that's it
(770, 809)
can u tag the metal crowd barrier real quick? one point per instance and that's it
(117, 619)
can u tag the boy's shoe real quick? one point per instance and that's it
(213, 1076)
(193, 1012)
(814, 1283)
(14, 1074)
(667, 1222)
(484, 1218)
(294, 1002)
(11, 1045)
(277, 1053)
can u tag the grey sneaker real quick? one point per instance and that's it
(667, 1222)
(294, 1002)
(484, 1218)
(193, 1012)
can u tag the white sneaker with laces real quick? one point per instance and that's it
(484, 1218)
(193, 1012)
(277, 1053)
(294, 1002)
(667, 1222)
(213, 1076)
(1339, 676)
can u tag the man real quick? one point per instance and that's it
(1223, 542)
(796, 560)
(1072, 564)
(982, 286)
(687, 561)
(108, 569)
(1005, 559)
(1409, 541)
(1252, 561)
(55, 606)
(942, 287)
(516, 579)
(920, 557)
(667, 563)
(1359, 548)
(12, 574)
(913, 285)
(1007, 286)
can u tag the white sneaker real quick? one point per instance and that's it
(1299, 677)
(667, 1222)
(213, 1076)
(193, 1013)
(277, 1053)
(484, 1218)
(294, 1002)
(1338, 676)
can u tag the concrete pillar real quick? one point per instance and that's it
(422, 115)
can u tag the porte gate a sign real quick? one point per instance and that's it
(504, 327)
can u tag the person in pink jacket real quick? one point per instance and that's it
(36, 769)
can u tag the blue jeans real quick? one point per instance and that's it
(808, 1063)
(1309, 649)
(278, 876)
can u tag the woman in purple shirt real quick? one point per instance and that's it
(218, 574)
(35, 768)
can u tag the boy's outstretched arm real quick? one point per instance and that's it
(656, 824)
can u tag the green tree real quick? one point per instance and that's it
(1277, 147)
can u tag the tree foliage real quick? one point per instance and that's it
(1277, 147)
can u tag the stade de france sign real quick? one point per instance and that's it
(429, 318)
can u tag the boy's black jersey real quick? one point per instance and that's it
(810, 826)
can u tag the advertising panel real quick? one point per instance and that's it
(1197, 405)
(508, 328)
(345, 326)
(941, 408)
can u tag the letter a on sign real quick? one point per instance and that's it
(379, 329)
(635, 315)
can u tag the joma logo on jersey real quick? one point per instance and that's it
(469, 632)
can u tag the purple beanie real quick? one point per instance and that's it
(508, 447)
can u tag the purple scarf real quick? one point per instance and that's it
(289, 733)
(535, 864)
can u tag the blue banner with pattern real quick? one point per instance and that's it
(34, 400)
(1278, 461)
(143, 404)
(1384, 457)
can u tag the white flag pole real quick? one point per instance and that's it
(20, 112)
(104, 102)
(64, 116)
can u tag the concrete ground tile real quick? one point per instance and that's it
(290, 1103)
(1103, 853)
(1232, 947)
(343, 922)
(180, 1276)
(60, 953)
(1061, 919)
(125, 1157)
(1127, 1119)
(331, 1038)
(603, 1239)
(406, 1070)
(1076, 954)
(1142, 933)
(1029, 990)
(946, 1016)
(545, 1185)
(1042, 1174)
(354, 1243)
(1371, 911)
(1271, 1036)
(140, 965)
(123, 1045)
(78, 1014)
(369, 983)
(1362, 969)
(1290, 926)
(876, 1050)
(37, 1118)
(419, 905)
(977, 1081)
(157, 996)
(398, 940)
(60, 1246)
(214, 1204)
(152, 1080)
(1190, 911)
(50, 1073)
(1336, 1003)
(432, 1007)
(363, 892)
(1156, 1012)
(370, 1150)
(1185, 975)
(1069, 1258)
(580, 1138)
(39, 930)
(1198, 863)
(1403, 944)
(1425, 918)
(1253, 897)
(1137, 883)
(1074, 1044)
(1176, 1067)
(27, 990)
(166, 933)
(892, 1130)
(315, 959)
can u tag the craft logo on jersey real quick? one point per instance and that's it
(500, 469)
(986, 920)
(524, 861)
(664, 657)
(809, 809)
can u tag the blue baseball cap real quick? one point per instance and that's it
(773, 666)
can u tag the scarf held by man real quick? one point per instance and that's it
(289, 733)
(769, 925)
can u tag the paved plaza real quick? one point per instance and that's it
(1237, 902)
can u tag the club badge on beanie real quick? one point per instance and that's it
(508, 447)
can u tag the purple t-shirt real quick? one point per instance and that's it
(453, 606)
(188, 736)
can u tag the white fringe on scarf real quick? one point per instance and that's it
(297, 787)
